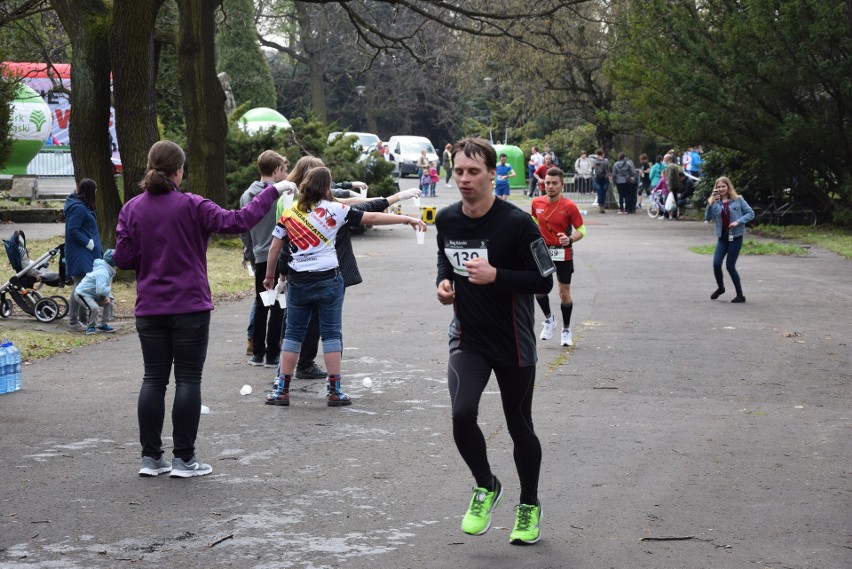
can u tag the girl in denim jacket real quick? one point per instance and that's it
(730, 212)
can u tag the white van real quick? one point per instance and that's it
(404, 151)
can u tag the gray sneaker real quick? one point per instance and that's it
(181, 469)
(77, 327)
(154, 466)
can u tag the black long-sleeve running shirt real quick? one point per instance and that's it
(495, 320)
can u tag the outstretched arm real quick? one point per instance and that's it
(375, 218)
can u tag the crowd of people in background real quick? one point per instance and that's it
(669, 174)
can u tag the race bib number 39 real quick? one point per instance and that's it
(558, 253)
(459, 251)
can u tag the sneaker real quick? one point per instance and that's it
(547, 328)
(256, 361)
(181, 469)
(567, 340)
(717, 293)
(526, 530)
(106, 329)
(77, 327)
(154, 466)
(91, 330)
(336, 397)
(280, 393)
(249, 347)
(477, 520)
(313, 372)
(271, 362)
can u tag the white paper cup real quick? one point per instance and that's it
(421, 237)
(416, 202)
(268, 297)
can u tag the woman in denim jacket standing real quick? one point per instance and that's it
(731, 213)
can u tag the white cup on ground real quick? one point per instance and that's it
(421, 237)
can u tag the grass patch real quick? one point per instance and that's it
(27, 204)
(228, 281)
(751, 247)
(35, 344)
(833, 239)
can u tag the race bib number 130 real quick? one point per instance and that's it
(459, 251)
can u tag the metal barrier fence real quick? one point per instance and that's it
(52, 163)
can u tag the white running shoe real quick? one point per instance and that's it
(547, 328)
(567, 340)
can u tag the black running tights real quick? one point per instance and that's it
(468, 374)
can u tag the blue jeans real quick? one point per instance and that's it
(250, 329)
(601, 187)
(327, 297)
(179, 339)
(732, 250)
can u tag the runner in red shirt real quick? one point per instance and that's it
(561, 225)
(541, 172)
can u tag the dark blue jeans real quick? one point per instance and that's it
(327, 297)
(601, 187)
(179, 339)
(731, 249)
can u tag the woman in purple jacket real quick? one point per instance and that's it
(162, 234)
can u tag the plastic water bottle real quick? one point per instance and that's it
(8, 368)
(3, 380)
(15, 376)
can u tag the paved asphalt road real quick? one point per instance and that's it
(678, 432)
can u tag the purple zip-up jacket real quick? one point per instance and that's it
(164, 239)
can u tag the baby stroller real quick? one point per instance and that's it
(24, 287)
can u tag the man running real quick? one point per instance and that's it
(501, 182)
(487, 271)
(561, 225)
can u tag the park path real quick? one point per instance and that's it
(673, 417)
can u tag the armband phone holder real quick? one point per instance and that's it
(541, 254)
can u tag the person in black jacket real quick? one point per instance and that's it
(487, 271)
(687, 188)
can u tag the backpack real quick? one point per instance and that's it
(600, 169)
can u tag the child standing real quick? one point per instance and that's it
(425, 181)
(95, 291)
(433, 177)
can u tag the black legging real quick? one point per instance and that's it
(468, 374)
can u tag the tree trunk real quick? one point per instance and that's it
(203, 99)
(370, 103)
(314, 63)
(87, 24)
(132, 46)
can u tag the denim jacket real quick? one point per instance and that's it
(739, 211)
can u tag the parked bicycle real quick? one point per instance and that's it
(656, 205)
(790, 213)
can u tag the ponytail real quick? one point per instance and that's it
(164, 159)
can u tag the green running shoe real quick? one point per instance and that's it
(526, 530)
(477, 520)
